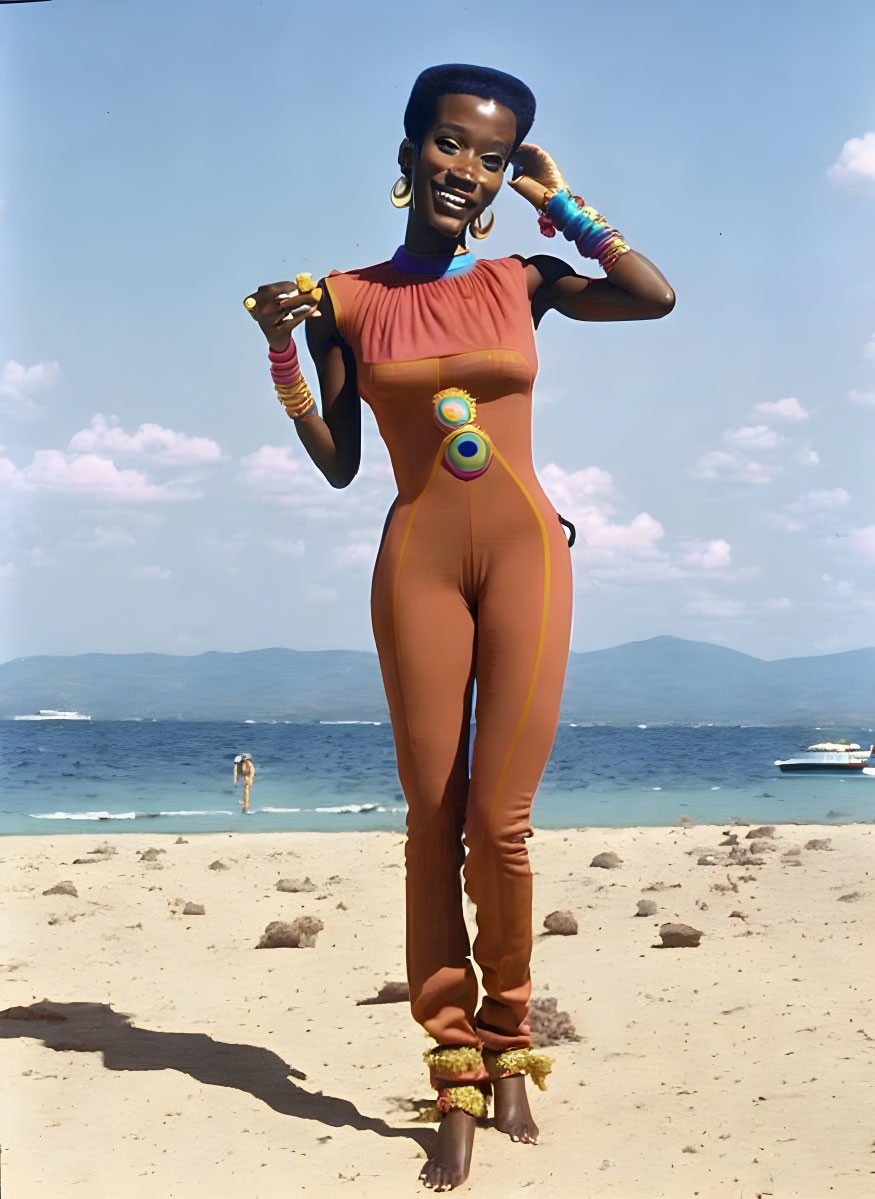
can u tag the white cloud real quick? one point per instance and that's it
(356, 555)
(713, 607)
(8, 473)
(781, 604)
(818, 501)
(571, 487)
(806, 456)
(87, 474)
(865, 398)
(574, 494)
(165, 445)
(863, 542)
(722, 466)
(869, 348)
(288, 549)
(710, 555)
(787, 409)
(7, 571)
(279, 475)
(751, 438)
(37, 557)
(856, 160)
(318, 593)
(17, 381)
(275, 469)
(107, 538)
(845, 595)
(150, 573)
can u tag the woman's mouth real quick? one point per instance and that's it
(449, 201)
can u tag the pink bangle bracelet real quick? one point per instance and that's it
(286, 375)
(284, 367)
(289, 354)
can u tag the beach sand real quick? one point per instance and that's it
(191, 1064)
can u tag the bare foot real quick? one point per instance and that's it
(452, 1159)
(511, 1113)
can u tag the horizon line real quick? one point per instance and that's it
(373, 652)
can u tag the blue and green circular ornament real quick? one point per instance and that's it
(468, 454)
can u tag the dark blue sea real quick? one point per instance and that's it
(175, 777)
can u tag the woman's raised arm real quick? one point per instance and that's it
(633, 290)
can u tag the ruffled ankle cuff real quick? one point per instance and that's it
(525, 1061)
(458, 1063)
(470, 1099)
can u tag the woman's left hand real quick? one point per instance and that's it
(539, 174)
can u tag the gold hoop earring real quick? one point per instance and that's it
(480, 230)
(401, 194)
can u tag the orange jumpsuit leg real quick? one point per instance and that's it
(424, 630)
(523, 632)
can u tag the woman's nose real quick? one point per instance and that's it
(469, 172)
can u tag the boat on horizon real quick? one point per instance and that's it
(53, 714)
(839, 756)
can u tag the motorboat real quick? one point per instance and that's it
(833, 756)
(53, 714)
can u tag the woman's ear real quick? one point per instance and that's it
(406, 156)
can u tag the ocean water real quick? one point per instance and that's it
(175, 777)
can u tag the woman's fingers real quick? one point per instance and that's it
(530, 189)
(283, 305)
(298, 308)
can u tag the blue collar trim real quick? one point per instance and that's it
(445, 264)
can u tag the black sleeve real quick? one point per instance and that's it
(550, 269)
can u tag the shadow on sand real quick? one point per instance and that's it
(96, 1028)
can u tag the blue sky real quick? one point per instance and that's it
(161, 160)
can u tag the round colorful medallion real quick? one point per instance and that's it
(454, 408)
(468, 454)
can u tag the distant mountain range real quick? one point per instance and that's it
(662, 680)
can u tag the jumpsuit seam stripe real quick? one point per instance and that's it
(542, 633)
(482, 350)
(338, 307)
(396, 588)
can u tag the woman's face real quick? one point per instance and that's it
(461, 161)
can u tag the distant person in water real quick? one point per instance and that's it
(244, 768)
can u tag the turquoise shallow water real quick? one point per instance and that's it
(175, 777)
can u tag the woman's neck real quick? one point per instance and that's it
(424, 240)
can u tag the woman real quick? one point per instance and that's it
(472, 580)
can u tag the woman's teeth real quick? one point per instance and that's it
(449, 198)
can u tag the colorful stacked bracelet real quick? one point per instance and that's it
(588, 229)
(291, 386)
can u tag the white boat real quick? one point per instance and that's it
(53, 714)
(833, 756)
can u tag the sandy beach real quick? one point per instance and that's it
(189, 1063)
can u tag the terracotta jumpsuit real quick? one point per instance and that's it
(472, 582)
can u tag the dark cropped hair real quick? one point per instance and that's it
(466, 80)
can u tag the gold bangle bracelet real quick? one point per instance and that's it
(305, 410)
(300, 405)
(288, 389)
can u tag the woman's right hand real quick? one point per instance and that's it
(280, 308)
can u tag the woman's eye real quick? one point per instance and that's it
(444, 143)
(493, 163)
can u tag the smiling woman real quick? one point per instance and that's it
(472, 581)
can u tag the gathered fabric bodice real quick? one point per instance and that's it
(413, 336)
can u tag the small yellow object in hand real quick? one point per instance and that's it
(304, 282)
